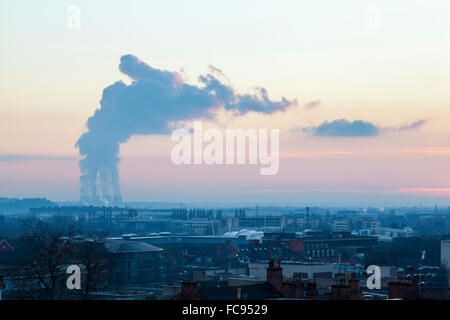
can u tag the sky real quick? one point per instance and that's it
(371, 127)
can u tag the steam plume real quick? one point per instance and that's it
(146, 106)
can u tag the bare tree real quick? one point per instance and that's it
(43, 264)
(50, 249)
(92, 255)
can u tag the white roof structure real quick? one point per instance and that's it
(249, 234)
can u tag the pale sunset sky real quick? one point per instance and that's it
(386, 63)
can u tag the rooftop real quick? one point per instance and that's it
(122, 246)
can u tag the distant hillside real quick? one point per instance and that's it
(14, 205)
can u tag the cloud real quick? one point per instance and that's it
(154, 99)
(217, 72)
(357, 128)
(414, 125)
(312, 104)
(344, 128)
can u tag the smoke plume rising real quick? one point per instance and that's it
(146, 106)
